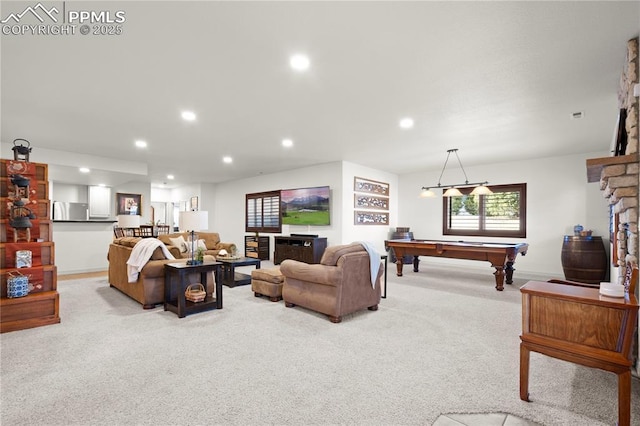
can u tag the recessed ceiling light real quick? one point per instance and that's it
(406, 123)
(171, 177)
(299, 62)
(188, 115)
(141, 144)
(287, 143)
(84, 170)
(227, 159)
(102, 185)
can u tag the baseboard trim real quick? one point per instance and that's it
(80, 275)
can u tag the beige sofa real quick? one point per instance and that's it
(149, 288)
(211, 240)
(339, 285)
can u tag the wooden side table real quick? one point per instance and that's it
(579, 325)
(176, 277)
(232, 278)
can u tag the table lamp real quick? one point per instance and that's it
(192, 221)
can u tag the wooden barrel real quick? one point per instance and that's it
(401, 233)
(584, 259)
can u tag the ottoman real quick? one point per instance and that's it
(267, 282)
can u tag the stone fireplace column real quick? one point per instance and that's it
(619, 177)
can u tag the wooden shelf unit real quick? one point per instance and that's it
(39, 188)
(42, 305)
(301, 248)
(256, 247)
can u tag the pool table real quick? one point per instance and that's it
(501, 255)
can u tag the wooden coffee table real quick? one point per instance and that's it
(230, 277)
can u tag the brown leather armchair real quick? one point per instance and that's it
(340, 284)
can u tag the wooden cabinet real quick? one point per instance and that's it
(579, 325)
(99, 202)
(41, 306)
(256, 247)
(301, 248)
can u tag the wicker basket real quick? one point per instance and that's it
(195, 293)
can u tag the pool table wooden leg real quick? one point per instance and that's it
(399, 266)
(499, 274)
(509, 272)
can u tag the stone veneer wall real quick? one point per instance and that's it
(620, 185)
(626, 99)
(620, 181)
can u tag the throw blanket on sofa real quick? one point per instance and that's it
(140, 255)
(374, 261)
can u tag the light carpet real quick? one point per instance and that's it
(442, 342)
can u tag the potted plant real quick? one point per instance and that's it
(200, 255)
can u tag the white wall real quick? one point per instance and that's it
(184, 194)
(142, 188)
(229, 208)
(374, 234)
(558, 197)
(162, 203)
(161, 195)
(229, 205)
(208, 201)
(81, 247)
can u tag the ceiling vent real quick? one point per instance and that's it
(577, 115)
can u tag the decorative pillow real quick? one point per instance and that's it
(201, 245)
(211, 239)
(127, 241)
(180, 243)
(158, 254)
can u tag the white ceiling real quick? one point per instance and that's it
(498, 80)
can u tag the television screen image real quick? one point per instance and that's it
(305, 206)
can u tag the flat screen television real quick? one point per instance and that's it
(305, 206)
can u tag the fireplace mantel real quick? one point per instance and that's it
(595, 165)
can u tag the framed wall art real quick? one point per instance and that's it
(362, 201)
(194, 204)
(129, 204)
(370, 186)
(370, 218)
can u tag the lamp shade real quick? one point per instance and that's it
(193, 221)
(452, 192)
(426, 193)
(481, 190)
(129, 221)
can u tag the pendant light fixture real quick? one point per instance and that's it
(452, 190)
